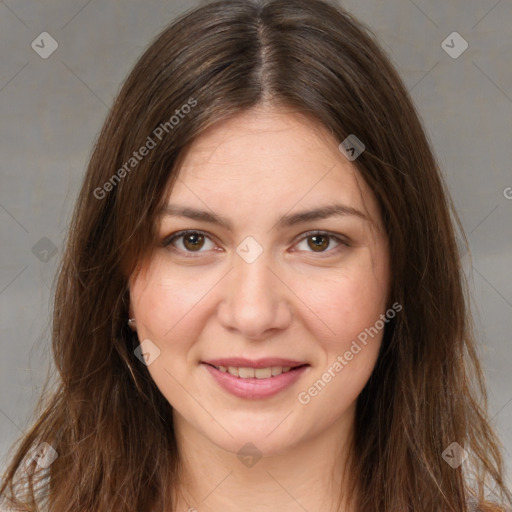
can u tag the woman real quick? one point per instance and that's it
(261, 304)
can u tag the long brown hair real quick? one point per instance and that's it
(427, 389)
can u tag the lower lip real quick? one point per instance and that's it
(255, 388)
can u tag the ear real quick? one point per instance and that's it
(127, 298)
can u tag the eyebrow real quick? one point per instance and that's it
(285, 221)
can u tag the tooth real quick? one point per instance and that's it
(258, 373)
(262, 373)
(233, 371)
(246, 373)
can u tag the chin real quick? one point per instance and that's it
(256, 445)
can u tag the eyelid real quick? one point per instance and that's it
(339, 238)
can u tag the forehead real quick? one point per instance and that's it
(260, 140)
(263, 161)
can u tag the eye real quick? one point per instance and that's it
(319, 241)
(190, 241)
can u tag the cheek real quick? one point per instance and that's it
(346, 304)
(351, 308)
(165, 299)
(166, 305)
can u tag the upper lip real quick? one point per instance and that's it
(240, 362)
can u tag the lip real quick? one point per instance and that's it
(265, 362)
(255, 388)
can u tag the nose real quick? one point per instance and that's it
(256, 302)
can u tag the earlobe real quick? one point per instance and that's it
(131, 318)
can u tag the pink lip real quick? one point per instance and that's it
(266, 362)
(255, 388)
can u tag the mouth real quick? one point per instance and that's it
(259, 379)
(248, 372)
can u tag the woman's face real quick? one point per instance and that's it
(272, 285)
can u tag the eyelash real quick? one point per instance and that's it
(167, 242)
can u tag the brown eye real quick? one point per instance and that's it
(193, 241)
(319, 242)
(322, 242)
(187, 242)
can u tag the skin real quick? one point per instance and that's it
(292, 302)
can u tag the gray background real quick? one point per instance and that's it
(52, 109)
